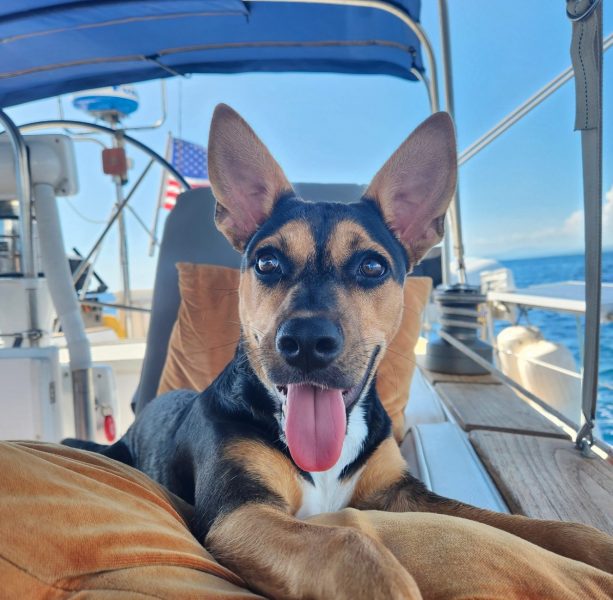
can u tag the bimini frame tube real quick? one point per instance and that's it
(454, 207)
(62, 292)
(431, 83)
(24, 195)
(400, 14)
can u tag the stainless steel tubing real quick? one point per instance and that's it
(67, 307)
(84, 403)
(24, 193)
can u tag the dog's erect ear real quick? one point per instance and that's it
(246, 180)
(414, 187)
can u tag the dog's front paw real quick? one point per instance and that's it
(287, 559)
(353, 566)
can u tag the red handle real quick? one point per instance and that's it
(109, 428)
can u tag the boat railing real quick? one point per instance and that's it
(546, 365)
(598, 447)
(566, 297)
(563, 297)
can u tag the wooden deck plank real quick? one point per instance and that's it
(547, 478)
(494, 407)
(433, 377)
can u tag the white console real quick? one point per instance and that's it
(32, 404)
(52, 161)
(36, 400)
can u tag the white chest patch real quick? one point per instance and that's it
(328, 493)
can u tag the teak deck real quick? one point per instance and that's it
(532, 462)
(494, 407)
(547, 478)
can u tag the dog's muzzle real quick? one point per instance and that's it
(309, 343)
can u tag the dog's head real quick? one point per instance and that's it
(321, 289)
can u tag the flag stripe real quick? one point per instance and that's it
(191, 161)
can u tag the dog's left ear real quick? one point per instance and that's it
(245, 178)
(414, 187)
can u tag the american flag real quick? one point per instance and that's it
(190, 160)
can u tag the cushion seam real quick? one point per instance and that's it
(72, 591)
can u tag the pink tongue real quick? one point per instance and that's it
(315, 426)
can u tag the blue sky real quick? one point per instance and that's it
(520, 197)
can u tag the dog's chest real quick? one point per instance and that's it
(328, 493)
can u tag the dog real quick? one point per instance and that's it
(293, 426)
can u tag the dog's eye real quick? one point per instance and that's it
(267, 264)
(371, 267)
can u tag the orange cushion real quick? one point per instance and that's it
(74, 521)
(78, 525)
(207, 329)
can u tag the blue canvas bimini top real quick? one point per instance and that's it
(50, 47)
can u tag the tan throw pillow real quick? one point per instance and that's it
(207, 329)
(396, 369)
(206, 332)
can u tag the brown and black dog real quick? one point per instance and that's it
(293, 426)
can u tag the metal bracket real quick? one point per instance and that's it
(585, 439)
(585, 14)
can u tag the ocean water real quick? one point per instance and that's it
(563, 328)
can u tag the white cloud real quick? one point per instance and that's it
(573, 225)
(567, 236)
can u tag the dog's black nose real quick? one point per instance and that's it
(309, 343)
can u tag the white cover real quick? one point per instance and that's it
(450, 467)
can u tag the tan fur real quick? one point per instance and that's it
(371, 317)
(270, 467)
(259, 309)
(285, 558)
(295, 239)
(368, 318)
(274, 552)
(383, 469)
(245, 178)
(348, 237)
(378, 310)
(573, 540)
(414, 187)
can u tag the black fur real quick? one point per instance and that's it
(178, 439)
(322, 217)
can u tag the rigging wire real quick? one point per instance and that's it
(82, 216)
(180, 103)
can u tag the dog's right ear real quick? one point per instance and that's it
(245, 178)
(414, 187)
